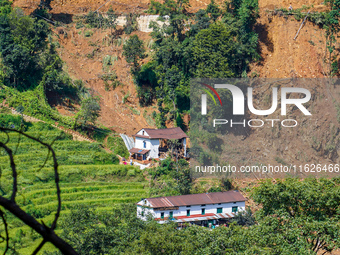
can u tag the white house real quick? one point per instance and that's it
(200, 209)
(149, 143)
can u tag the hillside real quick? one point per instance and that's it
(281, 56)
(88, 176)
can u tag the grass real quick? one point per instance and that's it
(88, 176)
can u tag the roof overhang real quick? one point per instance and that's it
(138, 151)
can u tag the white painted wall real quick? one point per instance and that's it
(194, 209)
(154, 148)
(151, 144)
(147, 211)
(140, 132)
(185, 146)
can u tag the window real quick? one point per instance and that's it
(234, 209)
(202, 205)
(234, 202)
(144, 144)
(171, 215)
(162, 215)
(219, 203)
(188, 205)
(203, 211)
(142, 213)
(188, 212)
(219, 210)
(143, 133)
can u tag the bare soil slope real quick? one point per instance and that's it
(281, 57)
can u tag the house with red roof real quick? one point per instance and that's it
(151, 143)
(201, 209)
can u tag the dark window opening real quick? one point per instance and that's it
(234, 209)
(162, 215)
(203, 211)
(188, 212)
(219, 210)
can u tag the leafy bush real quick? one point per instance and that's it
(134, 51)
(88, 33)
(110, 80)
(97, 20)
(117, 145)
(131, 23)
(12, 121)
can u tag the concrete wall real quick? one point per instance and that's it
(194, 209)
(151, 144)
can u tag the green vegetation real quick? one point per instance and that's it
(88, 176)
(97, 20)
(116, 144)
(31, 72)
(110, 80)
(23, 46)
(131, 23)
(170, 178)
(88, 33)
(133, 52)
(295, 217)
(89, 112)
(213, 43)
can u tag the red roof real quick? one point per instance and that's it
(139, 151)
(166, 133)
(197, 199)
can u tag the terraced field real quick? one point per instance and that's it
(88, 176)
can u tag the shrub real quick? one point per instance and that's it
(12, 121)
(88, 33)
(110, 80)
(117, 144)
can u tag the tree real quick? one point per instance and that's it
(212, 52)
(244, 218)
(308, 208)
(134, 51)
(45, 4)
(131, 23)
(212, 43)
(10, 205)
(111, 232)
(171, 178)
(89, 112)
(22, 40)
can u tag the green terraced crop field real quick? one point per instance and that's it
(88, 176)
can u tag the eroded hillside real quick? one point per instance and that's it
(84, 49)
